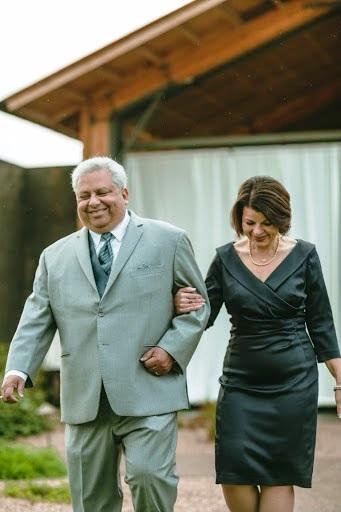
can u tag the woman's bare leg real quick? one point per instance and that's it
(278, 498)
(241, 498)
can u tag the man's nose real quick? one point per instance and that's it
(94, 200)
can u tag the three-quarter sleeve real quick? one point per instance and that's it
(213, 283)
(319, 317)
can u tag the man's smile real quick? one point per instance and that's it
(97, 211)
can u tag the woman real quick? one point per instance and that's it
(273, 288)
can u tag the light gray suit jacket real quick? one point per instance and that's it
(102, 339)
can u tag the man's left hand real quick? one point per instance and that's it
(157, 361)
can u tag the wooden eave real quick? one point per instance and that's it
(175, 49)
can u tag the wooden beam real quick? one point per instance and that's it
(335, 4)
(62, 114)
(297, 108)
(323, 56)
(214, 50)
(231, 15)
(190, 35)
(109, 53)
(240, 140)
(143, 121)
(44, 120)
(108, 74)
(106, 91)
(74, 95)
(278, 3)
(183, 64)
(143, 135)
(151, 56)
(146, 83)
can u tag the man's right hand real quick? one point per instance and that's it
(11, 385)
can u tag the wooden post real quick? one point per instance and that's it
(84, 131)
(95, 129)
(99, 135)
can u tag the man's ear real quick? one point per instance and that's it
(125, 195)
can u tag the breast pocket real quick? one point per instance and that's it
(149, 280)
(147, 270)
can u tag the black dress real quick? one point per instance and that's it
(267, 404)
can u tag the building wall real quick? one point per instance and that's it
(37, 208)
(11, 229)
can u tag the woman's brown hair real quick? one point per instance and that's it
(267, 196)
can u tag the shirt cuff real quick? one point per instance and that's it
(18, 373)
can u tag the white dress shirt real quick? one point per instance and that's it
(119, 231)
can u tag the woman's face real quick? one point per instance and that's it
(258, 229)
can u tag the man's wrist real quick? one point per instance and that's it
(18, 373)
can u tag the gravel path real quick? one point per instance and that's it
(197, 491)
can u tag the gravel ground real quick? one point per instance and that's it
(197, 491)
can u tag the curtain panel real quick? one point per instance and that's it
(195, 189)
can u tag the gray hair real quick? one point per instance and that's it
(99, 163)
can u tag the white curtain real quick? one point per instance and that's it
(195, 190)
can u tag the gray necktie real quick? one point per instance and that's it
(105, 255)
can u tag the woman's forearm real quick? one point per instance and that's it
(334, 366)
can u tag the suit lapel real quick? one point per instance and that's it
(129, 242)
(83, 255)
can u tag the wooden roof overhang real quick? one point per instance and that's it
(213, 67)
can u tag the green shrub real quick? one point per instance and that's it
(20, 419)
(21, 462)
(38, 492)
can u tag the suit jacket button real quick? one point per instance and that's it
(100, 313)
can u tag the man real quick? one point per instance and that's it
(108, 289)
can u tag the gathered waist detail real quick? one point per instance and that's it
(267, 327)
(268, 354)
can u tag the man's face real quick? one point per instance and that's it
(101, 205)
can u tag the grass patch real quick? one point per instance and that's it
(38, 492)
(19, 462)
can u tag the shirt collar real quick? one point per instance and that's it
(118, 231)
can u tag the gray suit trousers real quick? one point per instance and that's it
(94, 450)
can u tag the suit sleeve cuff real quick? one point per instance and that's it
(18, 373)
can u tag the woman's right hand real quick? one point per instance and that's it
(187, 300)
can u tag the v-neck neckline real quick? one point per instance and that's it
(279, 266)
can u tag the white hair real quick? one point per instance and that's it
(99, 163)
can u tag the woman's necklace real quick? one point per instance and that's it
(264, 262)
